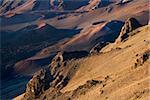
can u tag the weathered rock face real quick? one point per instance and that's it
(38, 84)
(130, 25)
(56, 76)
(59, 64)
(46, 78)
(56, 63)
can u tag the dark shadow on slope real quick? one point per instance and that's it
(27, 42)
(105, 3)
(115, 27)
(42, 5)
(74, 55)
(34, 35)
(74, 4)
(19, 19)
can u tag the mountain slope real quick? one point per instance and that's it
(117, 68)
(11, 8)
(33, 32)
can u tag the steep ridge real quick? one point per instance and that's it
(56, 76)
(97, 31)
(129, 26)
(77, 42)
(119, 47)
(114, 70)
(117, 69)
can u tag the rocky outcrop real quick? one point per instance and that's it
(38, 84)
(61, 58)
(56, 63)
(130, 25)
(51, 77)
(142, 58)
(81, 90)
(56, 76)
